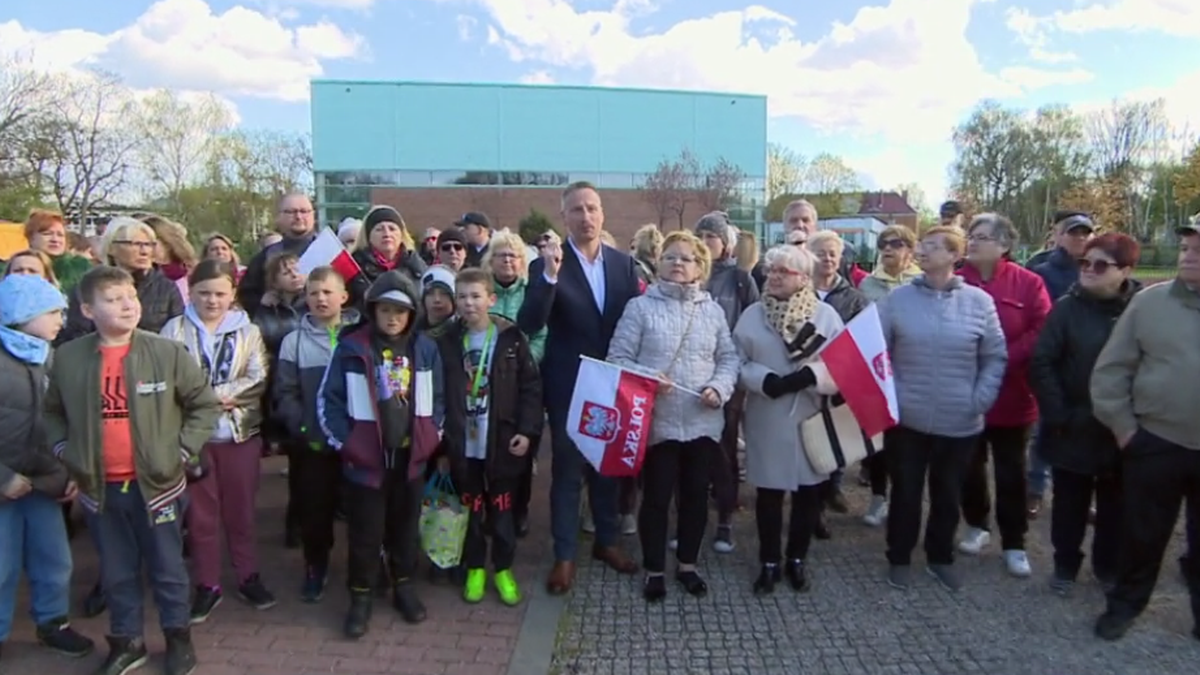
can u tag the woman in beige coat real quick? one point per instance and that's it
(778, 338)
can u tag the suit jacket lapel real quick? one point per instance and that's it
(574, 266)
(612, 282)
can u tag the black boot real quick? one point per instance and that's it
(358, 619)
(405, 600)
(124, 655)
(94, 604)
(796, 575)
(58, 636)
(181, 655)
(767, 578)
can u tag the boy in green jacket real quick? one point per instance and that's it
(128, 411)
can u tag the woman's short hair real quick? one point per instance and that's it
(790, 257)
(952, 235)
(816, 239)
(40, 220)
(47, 264)
(228, 242)
(506, 239)
(648, 242)
(900, 232)
(1122, 248)
(122, 228)
(1002, 229)
(699, 249)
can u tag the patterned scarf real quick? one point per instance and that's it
(792, 321)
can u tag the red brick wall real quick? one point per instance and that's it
(624, 210)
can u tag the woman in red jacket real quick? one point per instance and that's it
(1022, 303)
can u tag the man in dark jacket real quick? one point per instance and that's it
(294, 222)
(1060, 270)
(477, 230)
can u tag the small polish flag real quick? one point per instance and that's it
(609, 418)
(857, 360)
(327, 250)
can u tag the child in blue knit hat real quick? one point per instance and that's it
(33, 535)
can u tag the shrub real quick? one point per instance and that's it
(534, 225)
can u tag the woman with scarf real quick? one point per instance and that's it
(383, 245)
(677, 330)
(173, 254)
(778, 338)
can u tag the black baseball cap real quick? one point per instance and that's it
(1067, 221)
(950, 209)
(474, 218)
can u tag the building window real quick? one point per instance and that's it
(414, 178)
(350, 194)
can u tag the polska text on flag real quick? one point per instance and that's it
(327, 250)
(858, 362)
(609, 418)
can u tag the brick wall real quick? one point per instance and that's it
(624, 210)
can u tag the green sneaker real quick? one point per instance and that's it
(476, 585)
(506, 586)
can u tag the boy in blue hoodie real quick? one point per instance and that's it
(33, 535)
(382, 407)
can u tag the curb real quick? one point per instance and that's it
(534, 651)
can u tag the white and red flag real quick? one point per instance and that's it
(857, 360)
(609, 418)
(327, 250)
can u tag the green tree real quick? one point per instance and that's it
(534, 225)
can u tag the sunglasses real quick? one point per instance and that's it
(452, 247)
(892, 243)
(1097, 266)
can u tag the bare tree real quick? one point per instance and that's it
(177, 136)
(829, 174)
(786, 170)
(667, 190)
(25, 97)
(1124, 139)
(722, 182)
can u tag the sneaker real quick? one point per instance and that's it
(1017, 563)
(124, 655)
(975, 541)
(628, 524)
(900, 576)
(767, 578)
(1033, 506)
(180, 658)
(723, 541)
(254, 592)
(476, 585)
(506, 587)
(673, 544)
(796, 575)
(877, 513)
(204, 602)
(313, 589)
(947, 576)
(654, 588)
(57, 635)
(1111, 626)
(1061, 585)
(587, 524)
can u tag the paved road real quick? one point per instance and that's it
(853, 623)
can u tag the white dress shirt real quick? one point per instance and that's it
(593, 271)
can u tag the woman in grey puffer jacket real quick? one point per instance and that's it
(677, 330)
(948, 358)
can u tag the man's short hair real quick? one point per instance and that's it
(101, 278)
(323, 273)
(576, 187)
(474, 275)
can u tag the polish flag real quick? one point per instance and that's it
(327, 250)
(858, 363)
(609, 418)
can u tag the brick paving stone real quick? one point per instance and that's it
(294, 638)
(853, 623)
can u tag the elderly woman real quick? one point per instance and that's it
(507, 260)
(778, 338)
(348, 231)
(677, 330)
(896, 266)
(382, 246)
(948, 359)
(1022, 305)
(47, 232)
(1082, 452)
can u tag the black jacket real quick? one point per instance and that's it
(1059, 272)
(732, 288)
(846, 299)
(514, 401)
(410, 266)
(22, 440)
(254, 282)
(160, 300)
(1060, 373)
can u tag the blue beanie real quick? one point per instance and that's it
(24, 297)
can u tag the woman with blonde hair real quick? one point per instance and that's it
(384, 244)
(646, 247)
(220, 247)
(173, 254)
(33, 262)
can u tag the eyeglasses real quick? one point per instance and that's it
(782, 271)
(505, 255)
(892, 243)
(981, 238)
(142, 245)
(451, 247)
(1097, 266)
(679, 259)
(296, 212)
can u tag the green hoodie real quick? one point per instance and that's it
(508, 303)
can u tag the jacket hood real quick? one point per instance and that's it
(840, 285)
(669, 290)
(909, 272)
(234, 321)
(350, 317)
(394, 284)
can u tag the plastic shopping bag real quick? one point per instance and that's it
(443, 522)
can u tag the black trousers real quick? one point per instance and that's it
(293, 449)
(318, 480)
(1073, 493)
(768, 516)
(382, 518)
(1007, 448)
(680, 470)
(524, 490)
(725, 470)
(877, 473)
(1158, 476)
(490, 503)
(915, 458)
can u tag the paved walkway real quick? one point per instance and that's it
(853, 623)
(298, 639)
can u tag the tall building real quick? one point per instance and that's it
(436, 150)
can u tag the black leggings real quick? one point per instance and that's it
(768, 514)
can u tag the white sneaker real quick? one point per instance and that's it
(723, 540)
(1017, 563)
(587, 524)
(673, 544)
(628, 524)
(975, 541)
(878, 512)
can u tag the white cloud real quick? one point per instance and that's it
(466, 26)
(1033, 33)
(184, 45)
(537, 77)
(1172, 17)
(1036, 78)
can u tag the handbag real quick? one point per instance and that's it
(833, 440)
(443, 523)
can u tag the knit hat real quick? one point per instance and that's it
(381, 214)
(437, 276)
(349, 227)
(717, 222)
(24, 297)
(452, 234)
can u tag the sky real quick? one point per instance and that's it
(879, 82)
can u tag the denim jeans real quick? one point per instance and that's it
(1039, 471)
(132, 539)
(567, 473)
(33, 539)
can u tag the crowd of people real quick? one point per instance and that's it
(147, 381)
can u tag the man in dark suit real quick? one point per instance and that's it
(578, 290)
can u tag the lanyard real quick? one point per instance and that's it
(484, 358)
